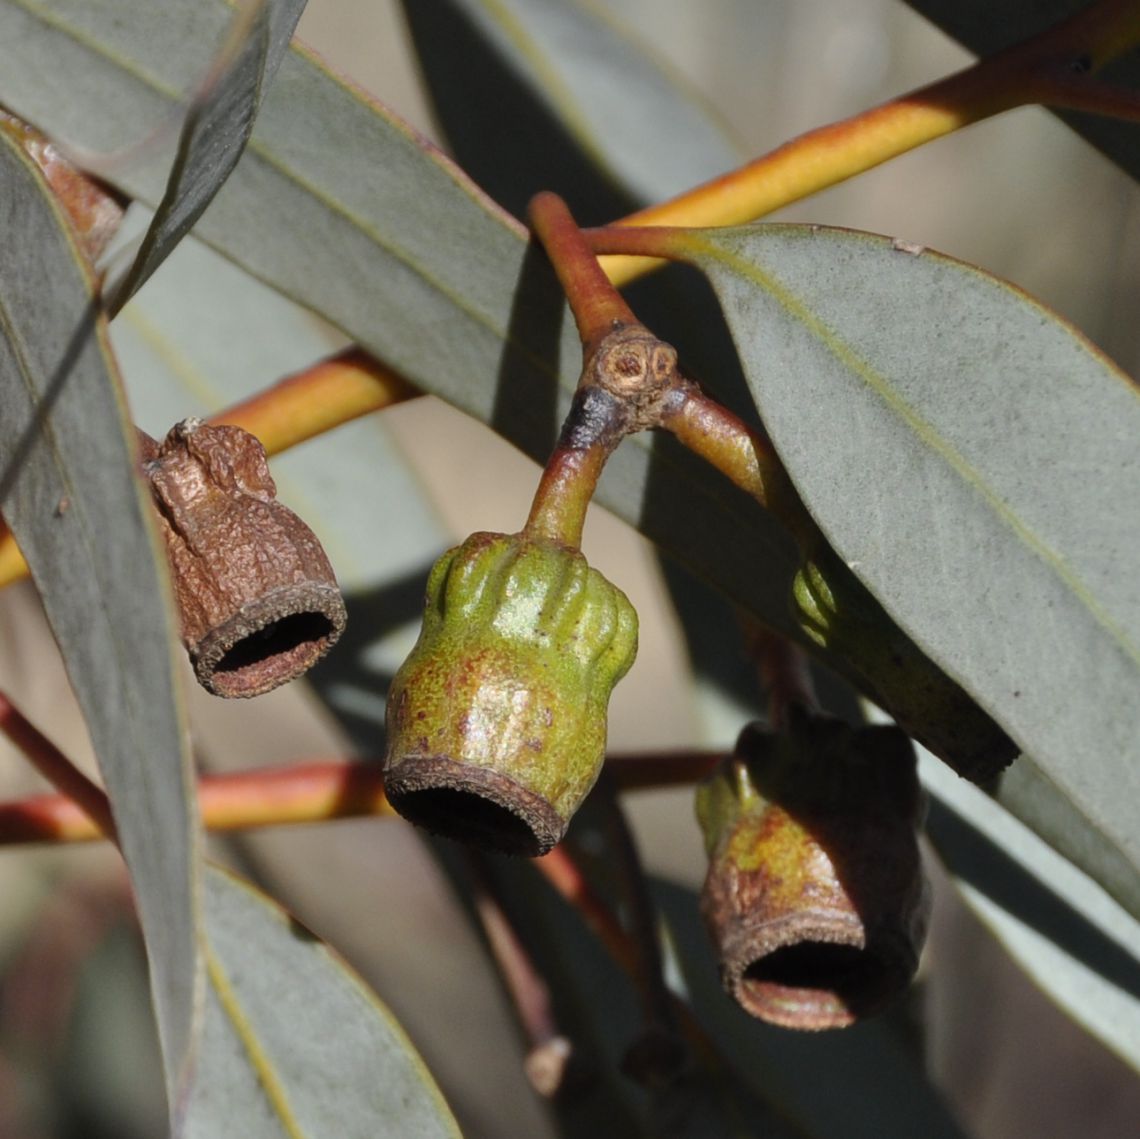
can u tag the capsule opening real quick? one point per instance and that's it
(815, 984)
(470, 818)
(271, 655)
(288, 635)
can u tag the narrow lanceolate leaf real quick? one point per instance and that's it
(295, 1046)
(975, 462)
(1077, 944)
(69, 492)
(216, 129)
(577, 104)
(340, 206)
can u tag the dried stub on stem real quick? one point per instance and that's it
(815, 898)
(258, 600)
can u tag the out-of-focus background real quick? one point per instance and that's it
(1021, 196)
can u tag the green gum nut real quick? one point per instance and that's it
(838, 613)
(497, 719)
(815, 898)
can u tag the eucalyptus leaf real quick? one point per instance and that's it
(555, 94)
(81, 516)
(294, 1043)
(1075, 942)
(216, 129)
(974, 461)
(339, 205)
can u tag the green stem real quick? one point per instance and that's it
(558, 513)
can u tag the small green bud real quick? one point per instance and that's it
(836, 611)
(815, 897)
(497, 719)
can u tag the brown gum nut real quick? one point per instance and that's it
(258, 600)
(818, 907)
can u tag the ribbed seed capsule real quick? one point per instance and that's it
(497, 719)
(815, 897)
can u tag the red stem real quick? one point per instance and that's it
(310, 792)
(54, 766)
(596, 304)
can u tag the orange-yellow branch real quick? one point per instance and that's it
(311, 792)
(1028, 73)
(296, 408)
(316, 400)
(301, 793)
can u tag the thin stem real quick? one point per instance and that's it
(564, 874)
(726, 442)
(597, 306)
(644, 771)
(311, 792)
(316, 791)
(1080, 93)
(622, 377)
(831, 154)
(54, 766)
(641, 912)
(558, 512)
(548, 1050)
(784, 675)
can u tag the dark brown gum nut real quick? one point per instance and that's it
(258, 601)
(497, 719)
(815, 898)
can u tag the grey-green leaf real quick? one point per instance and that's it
(1074, 941)
(294, 1043)
(80, 515)
(215, 130)
(342, 207)
(554, 94)
(975, 462)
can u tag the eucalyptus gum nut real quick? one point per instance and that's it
(497, 719)
(815, 897)
(257, 598)
(837, 612)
